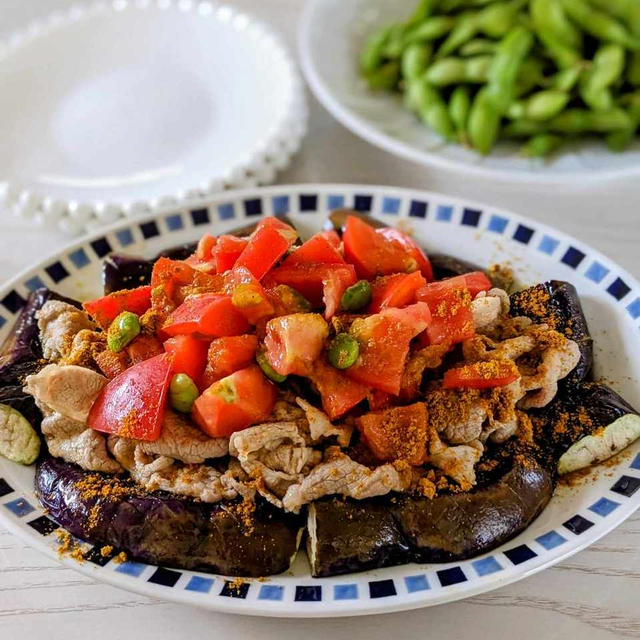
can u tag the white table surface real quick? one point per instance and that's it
(591, 596)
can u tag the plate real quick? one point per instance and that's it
(574, 518)
(119, 107)
(331, 35)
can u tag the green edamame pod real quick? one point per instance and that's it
(384, 78)
(540, 106)
(415, 59)
(459, 107)
(467, 25)
(343, 351)
(619, 140)
(372, 53)
(415, 94)
(608, 66)
(356, 297)
(431, 29)
(394, 43)
(477, 47)
(566, 79)
(633, 70)
(573, 122)
(423, 10)
(122, 331)
(498, 19)
(628, 11)
(435, 113)
(484, 122)
(182, 393)
(267, 369)
(541, 145)
(599, 24)
(550, 17)
(448, 71)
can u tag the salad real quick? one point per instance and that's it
(221, 400)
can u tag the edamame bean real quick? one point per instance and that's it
(478, 46)
(540, 106)
(542, 145)
(182, 393)
(435, 113)
(372, 53)
(608, 65)
(343, 351)
(633, 70)
(550, 17)
(459, 107)
(573, 122)
(484, 122)
(415, 59)
(384, 78)
(267, 369)
(566, 79)
(431, 29)
(448, 71)
(122, 331)
(357, 296)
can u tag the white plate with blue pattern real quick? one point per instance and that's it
(574, 519)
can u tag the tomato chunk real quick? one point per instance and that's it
(481, 375)
(371, 253)
(424, 265)
(332, 237)
(334, 283)
(318, 249)
(474, 282)
(384, 344)
(248, 295)
(143, 348)
(178, 280)
(267, 245)
(227, 355)
(203, 258)
(209, 315)
(397, 290)
(189, 355)
(398, 433)
(132, 405)
(227, 251)
(338, 393)
(451, 315)
(106, 309)
(236, 402)
(294, 342)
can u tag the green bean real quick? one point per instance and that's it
(541, 145)
(431, 29)
(505, 66)
(182, 393)
(122, 331)
(448, 71)
(599, 24)
(267, 369)
(435, 113)
(550, 17)
(343, 351)
(540, 106)
(372, 54)
(459, 107)
(478, 46)
(633, 69)
(385, 77)
(484, 122)
(608, 66)
(415, 59)
(356, 297)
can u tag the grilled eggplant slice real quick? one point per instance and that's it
(165, 529)
(352, 536)
(585, 425)
(557, 304)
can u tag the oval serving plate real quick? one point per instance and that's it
(331, 35)
(575, 517)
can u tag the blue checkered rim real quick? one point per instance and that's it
(504, 225)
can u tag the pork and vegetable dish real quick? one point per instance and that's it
(224, 404)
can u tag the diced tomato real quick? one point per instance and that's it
(371, 253)
(287, 300)
(179, 280)
(384, 344)
(334, 283)
(210, 315)
(481, 375)
(228, 250)
(143, 348)
(379, 399)
(338, 393)
(132, 405)
(189, 355)
(248, 295)
(332, 237)
(412, 247)
(397, 290)
(112, 364)
(398, 433)
(203, 258)
(267, 245)
(236, 402)
(106, 309)
(227, 355)
(317, 249)
(451, 315)
(474, 282)
(293, 342)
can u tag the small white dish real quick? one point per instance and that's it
(331, 35)
(115, 108)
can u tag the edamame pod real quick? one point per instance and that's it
(459, 107)
(608, 66)
(415, 59)
(484, 122)
(384, 78)
(478, 46)
(435, 113)
(372, 53)
(541, 145)
(448, 71)
(540, 106)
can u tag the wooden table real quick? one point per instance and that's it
(591, 596)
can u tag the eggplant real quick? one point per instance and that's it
(584, 425)
(338, 218)
(445, 266)
(165, 529)
(120, 271)
(557, 304)
(352, 536)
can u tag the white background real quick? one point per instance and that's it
(591, 596)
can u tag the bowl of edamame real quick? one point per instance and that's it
(522, 90)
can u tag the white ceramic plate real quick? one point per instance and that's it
(330, 40)
(113, 108)
(574, 518)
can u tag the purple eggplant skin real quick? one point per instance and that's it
(165, 529)
(564, 312)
